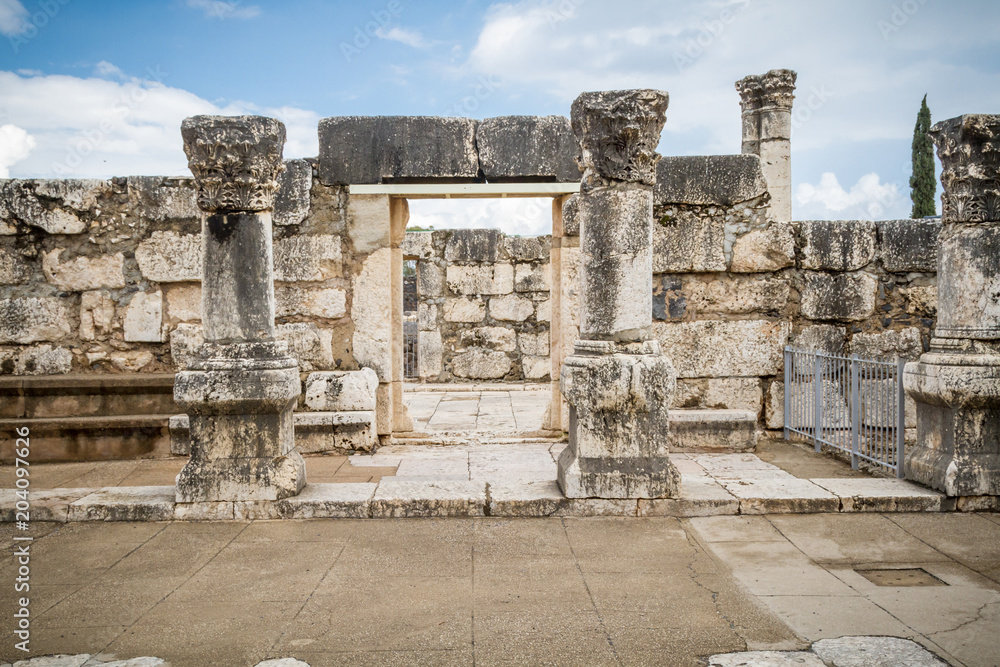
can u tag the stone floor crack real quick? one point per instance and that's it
(979, 617)
(697, 548)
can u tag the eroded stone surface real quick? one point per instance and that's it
(519, 146)
(341, 390)
(843, 296)
(84, 273)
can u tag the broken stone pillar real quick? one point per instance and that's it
(241, 389)
(766, 101)
(957, 383)
(616, 382)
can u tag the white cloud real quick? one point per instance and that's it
(121, 128)
(106, 69)
(523, 217)
(403, 36)
(13, 18)
(868, 199)
(15, 145)
(217, 9)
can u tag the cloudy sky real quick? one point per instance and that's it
(98, 89)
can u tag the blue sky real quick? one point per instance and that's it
(97, 89)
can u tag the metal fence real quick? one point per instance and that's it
(851, 404)
(410, 344)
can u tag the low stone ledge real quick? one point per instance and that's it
(316, 501)
(713, 430)
(46, 505)
(544, 498)
(884, 495)
(125, 503)
(401, 498)
(781, 495)
(699, 496)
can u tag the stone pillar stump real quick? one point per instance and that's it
(241, 390)
(617, 383)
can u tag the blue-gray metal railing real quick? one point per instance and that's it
(852, 404)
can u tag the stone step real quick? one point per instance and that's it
(88, 438)
(713, 430)
(76, 395)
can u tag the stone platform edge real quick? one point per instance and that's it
(400, 498)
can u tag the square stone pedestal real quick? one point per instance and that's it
(618, 431)
(242, 431)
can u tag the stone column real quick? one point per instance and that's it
(957, 384)
(766, 101)
(241, 390)
(616, 382)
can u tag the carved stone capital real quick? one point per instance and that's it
(235, 161)
(749, 88)
(969, 149)
(777, 87)
(618, 133)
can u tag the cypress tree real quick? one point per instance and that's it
(922, 183)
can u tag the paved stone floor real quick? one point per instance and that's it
(495, 409)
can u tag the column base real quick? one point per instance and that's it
(958, 423)
(618, 422)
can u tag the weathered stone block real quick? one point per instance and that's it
(532, 278)
(744, 348)
(158, 198)
(689, 244)
(737, 295)
(310, 345)
(81, 194)
(480, 364)
(774, 414)
(764, 250)
(481, 280)
(464, 309)
(97, 313)
(511, 308)
(571, 216)
(84, 273)
(821, 337)
(185, 340)
(491, 338)
(19, 202)
(430, 354)
(888, 344)
(369, 222)
(35, 360)
(733, 394)
(169, 257)
(183, 302)
(339, 432)
(328, 303)
(534, 344)
(131, 361)
(307, 257)
(337, 391)
(144, 318)
(920, 299)
(969, 282)
(30, 319)
(908, 245)
(291, 202)
(708, 180)
(837, 245)
(536, 368)
(370, 149)
(845, 296)
(528, 146)
(528, 248)
(419, 245)
(714, 430)
(430, 280)
(14, 268)
(427, 317)
(474, 245)
(543, 310)
(371, 314)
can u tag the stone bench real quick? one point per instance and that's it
(713, 430)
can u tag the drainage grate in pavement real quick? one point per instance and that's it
(901, 577)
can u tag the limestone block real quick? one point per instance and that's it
(464, 309)
(131, 361)
(536, 368)
(81, 194)
(183, 302)
(571, 216)
(857, 651)
(774, 414)
(743, 348)
(837, 245)
(97, 314)
(543, 311)
(474, 245)
(84, 273)
(337, 391)
(511, 308)
(418, 245)
(480, 364)
(310, 345)
(820, 337)
(888, 344)
(737, 295)
(430, 354)
(689, 244)
(398, 498)
(427, 317)
(369, 222)
(534, 344)
(430, 280)
(491, 338)
(920, 299)
(845, 296)
(733, 394)
(969, 283)
(35, 360)
(14, 269)
(144, 318)
(714, 430)
(158, 198)
(528, 248)
(532, 277)
(291, 202)
(764, 250)
(520, 146)
(769, 658)
(169, 257)
(328, 303)
(371, 313)
(708, 180)
(18, 203)
(367, 149)
(481, 279)
(26, 320)
(908, 245)
(185, 340)
(307, 257)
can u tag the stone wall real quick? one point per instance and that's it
(483, 305)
